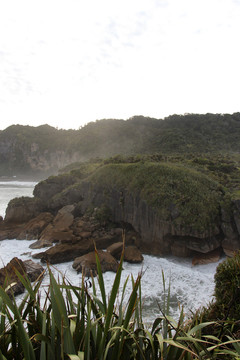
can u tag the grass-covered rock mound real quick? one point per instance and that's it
(178, 194)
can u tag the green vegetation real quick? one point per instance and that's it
(82, 323)
(166, 186)
(188, 135)
(189, 191)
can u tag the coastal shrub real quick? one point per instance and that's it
(227, 288)
(224, 310)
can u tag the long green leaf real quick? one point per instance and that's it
(101, 281)
(60, 315)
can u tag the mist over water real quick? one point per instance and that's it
(190, 287)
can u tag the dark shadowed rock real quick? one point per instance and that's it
(203, 245)
(65, 252)
(179, 248)
(207, 258)
(87, 263)
(116, 249)
(105, 241)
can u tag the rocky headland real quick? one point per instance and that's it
(157, 207)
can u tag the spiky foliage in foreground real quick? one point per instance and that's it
(75, 323)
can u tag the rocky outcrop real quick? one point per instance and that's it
(61, 253)
(68, 251)
(30, 151)
(9, 279)
(35, 227)
(21, 210)
(87, 265)
(190, 214)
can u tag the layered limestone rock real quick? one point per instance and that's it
(180, 220)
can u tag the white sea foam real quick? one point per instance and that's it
(191, 287)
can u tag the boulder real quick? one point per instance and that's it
(65, 252)
(86, 264)
(132, 255)
(58, 230)
(33, 270)
(103, 242)
(52, 235)
(35, 226)
(116, 250)
(64, 218)
(41, 243)
(9, 279)
(207, 258)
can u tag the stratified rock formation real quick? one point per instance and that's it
(163, 208)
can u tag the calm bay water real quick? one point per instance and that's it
(190, 286)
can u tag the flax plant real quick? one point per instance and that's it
(81, 323)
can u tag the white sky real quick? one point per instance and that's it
(68, 62)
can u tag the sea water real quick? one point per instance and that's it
(190, 287)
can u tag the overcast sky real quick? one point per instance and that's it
(68, 62)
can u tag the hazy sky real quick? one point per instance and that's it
(68, 62)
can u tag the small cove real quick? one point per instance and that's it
(190, 286)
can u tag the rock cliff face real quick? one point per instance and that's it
(173, 209)
(26, 151)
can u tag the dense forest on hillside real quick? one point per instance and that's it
(26, 149)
